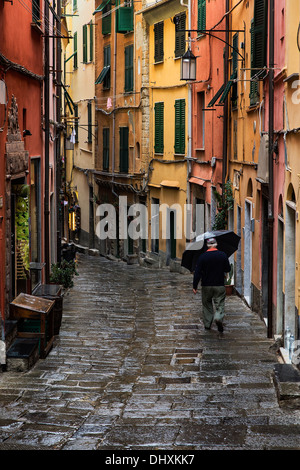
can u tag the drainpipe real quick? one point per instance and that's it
(271, 182)
(47, 137)
(225, 116)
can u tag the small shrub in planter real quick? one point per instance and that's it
(63, 273)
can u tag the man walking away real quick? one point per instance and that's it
(211, 268)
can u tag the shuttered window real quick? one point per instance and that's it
(179, 126)
(159, 128)
(258, 46)
(84, 43)
(106, 19)
(201, 14)
(129, 68)
(105, 148)
(159, 42)
(76, 122)
(180, 35)
(75, 63)
(124, 149)
(91, 41)
(235, 44)
(106, 80)
(89, 106)
(36, 15)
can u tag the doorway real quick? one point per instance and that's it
(280, 297)
(247, 253)
(289, 298)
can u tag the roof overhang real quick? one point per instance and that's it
(162, 9)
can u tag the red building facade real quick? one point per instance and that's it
(21, 146)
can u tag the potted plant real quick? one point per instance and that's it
(63, 273)
(224, 204)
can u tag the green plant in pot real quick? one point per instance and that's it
(224, 204)
(63, 273)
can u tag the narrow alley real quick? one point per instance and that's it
(134, 369)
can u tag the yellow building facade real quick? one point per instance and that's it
(80, 126)
(168, 130)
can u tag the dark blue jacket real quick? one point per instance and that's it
(211, 268)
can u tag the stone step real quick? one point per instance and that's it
(286, 379)
(22, 355)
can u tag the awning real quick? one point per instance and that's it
(198, 181)
(217, 96)
(170, 184)
(69, 100)
(101, 7)
(102, 75)
(228, 87)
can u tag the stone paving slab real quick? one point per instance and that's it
(134, 369)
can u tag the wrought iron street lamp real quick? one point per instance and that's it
(188, 66)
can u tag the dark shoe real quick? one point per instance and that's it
(220, 326)
(207, 327)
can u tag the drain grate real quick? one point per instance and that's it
(186, 356)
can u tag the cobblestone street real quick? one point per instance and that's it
(133, 368)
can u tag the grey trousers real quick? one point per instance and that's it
(213, 296)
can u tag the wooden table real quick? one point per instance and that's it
(36, 308)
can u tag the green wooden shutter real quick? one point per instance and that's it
(84, 43)
(124, 132)
(89, 122)
(235, 44)
(91, 42)
(253, 84)
(106, 81)
(129, 68)
(260, 33)
(201, 14)
(180, 36)
(124, 17)
(106, 19)
(74, 5)
(36, 14)
(75, 64)
(179, 126)
(76, 121)
(159, 128)
(105, 148)
(159, 42)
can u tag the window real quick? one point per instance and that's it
(129, 68)
(124, 149)
(89, 106)
(106, 19)
(87, 30)
(180, 35)
(200, 120)
(179, 127)
(84, 43)
(201, 14)
(124, 16)
(258, 46)
(234, 93)
(105, 148)
(76, 121)
(75, 64)
(91, 41)
(159, 42)
(159, 128)
(74, 5)
(36, 14)
(106, 80)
